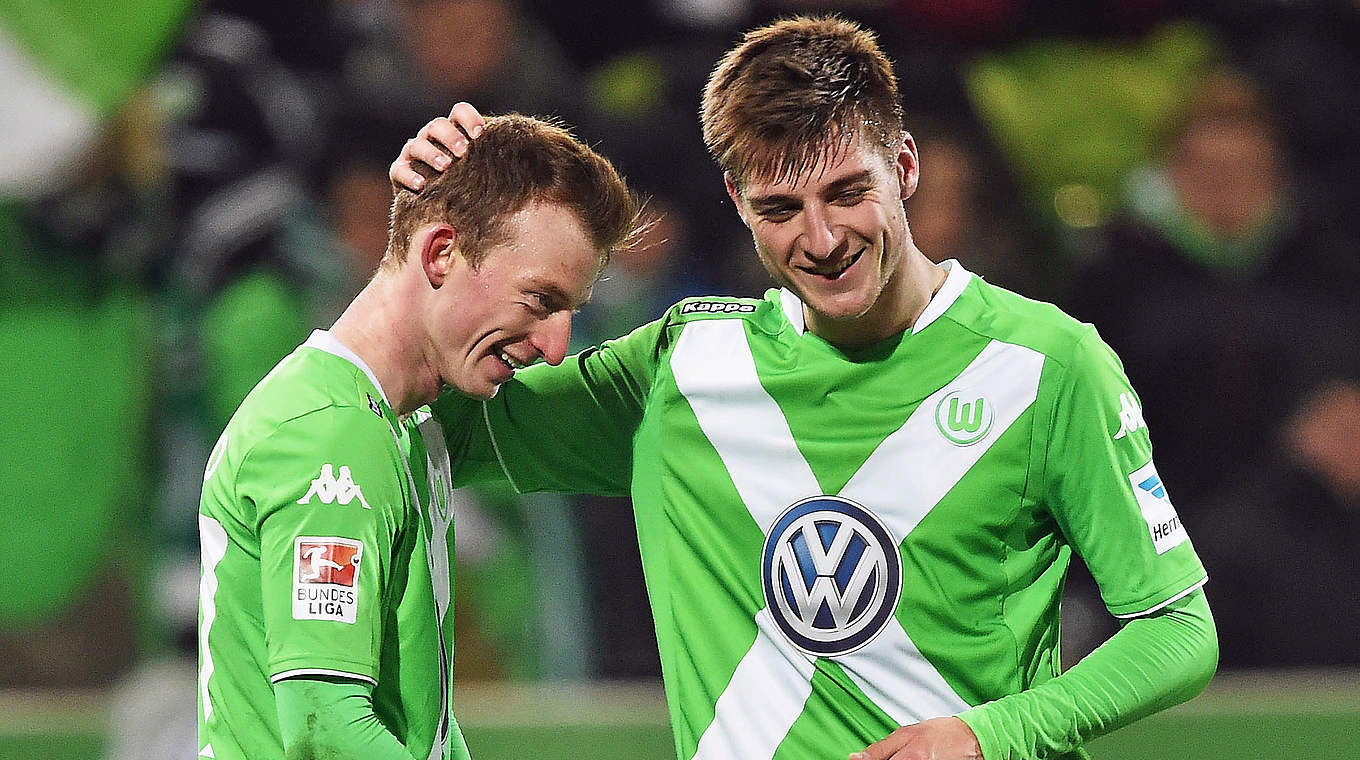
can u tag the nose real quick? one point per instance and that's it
(819, 241)
(551, 336)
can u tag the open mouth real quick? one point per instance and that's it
(836, 271)
(510, 362)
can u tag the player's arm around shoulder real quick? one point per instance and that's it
(567, 428)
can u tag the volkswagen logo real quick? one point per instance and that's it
(832, 575)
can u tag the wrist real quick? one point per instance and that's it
(979, 722)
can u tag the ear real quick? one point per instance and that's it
(437, 246)
(908, 166)
(735, 195)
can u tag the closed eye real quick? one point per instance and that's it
(777, 213)
(540, 304)
(851, 196)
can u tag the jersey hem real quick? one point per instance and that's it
(1170, 600)
(321, 672)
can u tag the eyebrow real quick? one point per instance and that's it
(776, 199)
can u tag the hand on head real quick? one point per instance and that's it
(434, 144)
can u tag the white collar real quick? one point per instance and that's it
(955, 281)
(323, 340)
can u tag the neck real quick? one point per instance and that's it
(380, 326)
(905, 296)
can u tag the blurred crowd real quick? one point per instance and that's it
(186, 190)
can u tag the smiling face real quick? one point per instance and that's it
(515, 306)
(836, 235)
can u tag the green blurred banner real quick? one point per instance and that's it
(97, 50)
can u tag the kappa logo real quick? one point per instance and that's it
(325, 578)
(1130, 415)
(330, 488)
(717, 307)
(963, 418)
(832, 575)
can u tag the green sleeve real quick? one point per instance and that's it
(1103, 489)
(328, 495)
(567, 428)
(1152, 663)
(333, 718)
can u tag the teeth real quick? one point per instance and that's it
(508, 359)
(845, 264)
(837, 270)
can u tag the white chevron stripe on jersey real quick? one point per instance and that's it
(763, 699)
(440, 510)
(715, 371)
(901, 482)
(213, 540)
(912, 469)
(892, 672)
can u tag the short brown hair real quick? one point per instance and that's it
(518, 160)
(793, 92)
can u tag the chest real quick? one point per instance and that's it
(769, 426)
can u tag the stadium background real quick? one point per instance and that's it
(186, 189)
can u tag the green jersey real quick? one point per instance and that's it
(325, 555)
(840, 542)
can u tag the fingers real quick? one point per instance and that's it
(466, 117)
(937, 738)
(885, 747)
(402, 174)
(431, 146)
(434, 143)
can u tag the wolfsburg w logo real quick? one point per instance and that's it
(832, 575)
(331, 489)
(964, 419)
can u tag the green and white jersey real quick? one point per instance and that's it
(324, 554)
(837, 543)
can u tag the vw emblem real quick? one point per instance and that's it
(832, 575)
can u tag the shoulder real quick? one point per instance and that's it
(310, 401)
(764, 314)
(998, 314)
(649, 343)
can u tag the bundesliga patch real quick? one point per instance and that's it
(1164, 525)
(326, 578)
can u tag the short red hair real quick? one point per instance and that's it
(518, 160)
